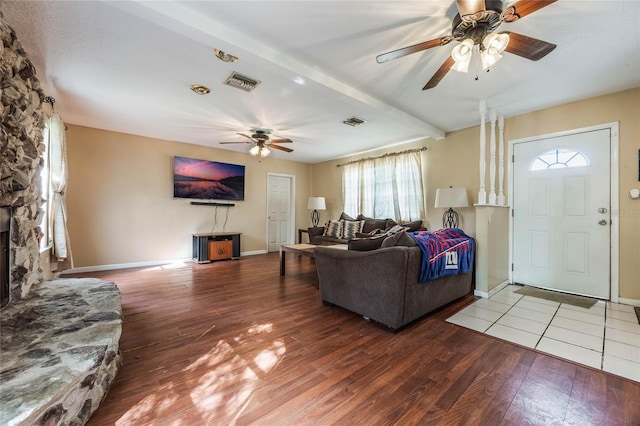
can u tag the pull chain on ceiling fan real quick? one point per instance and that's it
(474, 27)
(261, 142)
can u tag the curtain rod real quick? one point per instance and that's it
(391, 154)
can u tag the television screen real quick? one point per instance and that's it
(207, 180)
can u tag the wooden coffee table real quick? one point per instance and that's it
(307, 250)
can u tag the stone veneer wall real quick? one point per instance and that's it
(21, 109)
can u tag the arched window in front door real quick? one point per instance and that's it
(559, 158)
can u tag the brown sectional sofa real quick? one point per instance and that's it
(382, 284)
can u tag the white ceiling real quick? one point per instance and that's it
(127, 67)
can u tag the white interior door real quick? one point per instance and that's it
(562, 213)
(280, 217)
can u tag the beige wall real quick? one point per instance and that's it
(120, 198)
(453, 161)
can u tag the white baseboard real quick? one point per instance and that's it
(632, 302)
(491, 292)
(84, 269)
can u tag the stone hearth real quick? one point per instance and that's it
(59, 351)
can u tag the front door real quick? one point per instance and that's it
(279, 219)
(562, 213)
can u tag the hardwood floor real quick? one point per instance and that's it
(233, 342)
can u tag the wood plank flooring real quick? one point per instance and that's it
(233, 342)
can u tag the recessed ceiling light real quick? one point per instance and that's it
(224, 56)
(200, 89)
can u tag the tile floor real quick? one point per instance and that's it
(606, 336)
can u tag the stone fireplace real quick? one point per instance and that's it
(59, 340)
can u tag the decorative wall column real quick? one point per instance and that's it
(501, 161)
(492, 157)
(482, 194)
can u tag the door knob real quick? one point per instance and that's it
(602, 222)
(602, 210)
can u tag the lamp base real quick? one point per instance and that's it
(315, 218)
(450, 219)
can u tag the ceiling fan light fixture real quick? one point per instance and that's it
(264, 151)
(497, 42)
(461, 54)
(259, 151)
(489, 57)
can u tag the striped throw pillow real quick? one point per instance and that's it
(351, 228)
(333, 228)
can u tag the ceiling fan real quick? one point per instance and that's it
(474, 27)
(261, 142)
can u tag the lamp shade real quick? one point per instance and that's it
(451, 197)
(316, 203)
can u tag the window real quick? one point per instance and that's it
(559, 158)
(385, 187)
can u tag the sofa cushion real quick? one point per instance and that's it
(351, 228)
(365, 244)
(371, 224)
(333, 228)
(399, 239)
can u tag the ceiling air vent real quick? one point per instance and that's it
(241, 82)
(354, 121)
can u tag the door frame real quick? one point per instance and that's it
(614, 194)
(292, 221)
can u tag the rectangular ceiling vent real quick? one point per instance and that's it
(354, 121)
(240, 81)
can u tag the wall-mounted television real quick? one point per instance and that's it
(207, 180)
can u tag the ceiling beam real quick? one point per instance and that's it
(181, 19)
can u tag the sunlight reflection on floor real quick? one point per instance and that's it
(224, 385)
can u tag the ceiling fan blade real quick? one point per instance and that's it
(234, 142)
(469, 7)
(281, 148)
(439, 75)
(248, 137)
(283, 140)
(399, 53)
(522, 8)
(528, 47)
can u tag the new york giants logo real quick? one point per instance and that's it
(451, 260)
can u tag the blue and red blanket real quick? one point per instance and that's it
(447, 251)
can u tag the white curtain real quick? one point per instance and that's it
(385, 187)
(61, 253)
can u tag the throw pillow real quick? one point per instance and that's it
(399, 239)
(333, 228)
(412, 226)
(365, 244)
(345, 216)
(351, 228)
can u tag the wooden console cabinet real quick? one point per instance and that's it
(208, 247)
